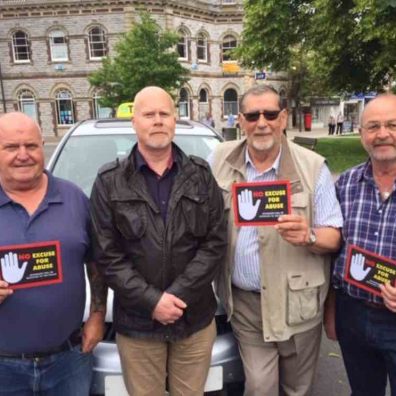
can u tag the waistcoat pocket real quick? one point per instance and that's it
(303, 297)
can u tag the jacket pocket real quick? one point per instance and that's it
(196, 212)
(303, 298)
(130, 223)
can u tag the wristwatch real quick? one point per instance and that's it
(312, 237)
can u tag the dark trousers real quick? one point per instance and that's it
(339, 128)
(331, 129)
(367, 337)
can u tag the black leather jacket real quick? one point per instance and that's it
(141, 256)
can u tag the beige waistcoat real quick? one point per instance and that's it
(294, 281)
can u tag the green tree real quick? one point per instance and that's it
(275, 35)
(144, 56)
(356, 40)
(327, 46)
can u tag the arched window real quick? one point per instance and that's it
(58, 46)
(203, 105)
(20, 47)
(99, 110)
(184, 109)
(230, 101)
(202, 48)
(97, 43)
(203, 96)
(229, 43)
(182, 45)
(27, 103)
(64, 107)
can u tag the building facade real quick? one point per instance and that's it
(48, 49)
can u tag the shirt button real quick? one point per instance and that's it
(163, 202)
(376, 233)
(379, 210)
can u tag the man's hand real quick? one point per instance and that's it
(293, 229)
(5, 291)
(10, 269)
(388, 293)
(168, 309)
(357, 267)
(93, 331)
(247, 210)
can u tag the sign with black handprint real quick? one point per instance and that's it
(31, 265)
(368, 270)
(260, 203)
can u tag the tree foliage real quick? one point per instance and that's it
(144, 56)
(330, 46)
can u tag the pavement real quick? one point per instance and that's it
(316, 132)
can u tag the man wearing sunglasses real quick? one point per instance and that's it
(276, 278)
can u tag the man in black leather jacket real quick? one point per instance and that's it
(160, 239)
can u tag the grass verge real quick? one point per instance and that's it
(341, 152)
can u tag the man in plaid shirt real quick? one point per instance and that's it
(365, 322)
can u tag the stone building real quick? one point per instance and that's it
(47, 50)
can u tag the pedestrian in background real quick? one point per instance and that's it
(331, 124)
(340, 123)
(42, 349)
(276, 278)
(365, 323)
(230, 120)
(160, 239)
(208, 120)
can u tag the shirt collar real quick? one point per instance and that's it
(140, 161)
(52, 195)
(274, 166)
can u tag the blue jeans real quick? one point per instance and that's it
(367, 336)
(67, 373)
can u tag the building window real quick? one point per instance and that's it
(230, 102)
(101, 111)
(58, 46)
(64, 107)
(27, 103)
(97, 43)
(203, 105)
(202, 48)
(184, 111)
(20, 47)
(182, 46)
(229, 43)
(203, 96)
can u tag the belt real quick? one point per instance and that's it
(72, 341)
(374, 305)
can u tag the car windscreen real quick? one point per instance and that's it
(82, 156)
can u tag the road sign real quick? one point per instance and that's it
(260, 75)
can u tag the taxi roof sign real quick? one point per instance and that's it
(125, 110)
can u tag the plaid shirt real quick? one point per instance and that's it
(369, 223)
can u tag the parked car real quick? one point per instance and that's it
(90, 144)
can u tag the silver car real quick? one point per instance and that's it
(87, 146)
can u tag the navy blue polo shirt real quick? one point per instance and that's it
(159, 186)
(40, 318)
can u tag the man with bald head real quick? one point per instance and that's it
(365, 317)
(45, 226)
(160, 239)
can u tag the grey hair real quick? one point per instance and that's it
(258, 90)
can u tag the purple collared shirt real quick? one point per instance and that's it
(158, 186)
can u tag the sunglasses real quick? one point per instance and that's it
(269, 115)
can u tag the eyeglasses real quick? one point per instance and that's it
(269, 115)
(374, 127)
